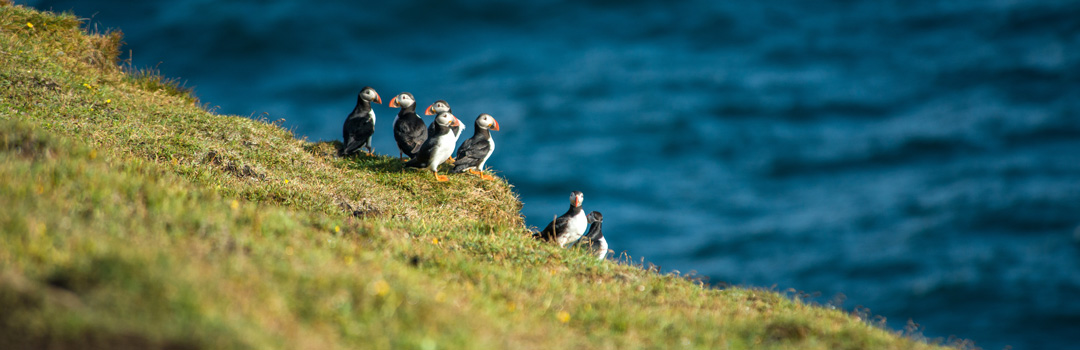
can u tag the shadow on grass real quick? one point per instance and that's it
(377, 163)
(323, 148)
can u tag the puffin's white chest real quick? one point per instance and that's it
(444, 147)
(600, 248)
(371, 114)
(574, 229)
(491, 149)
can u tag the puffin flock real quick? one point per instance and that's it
(429, 146)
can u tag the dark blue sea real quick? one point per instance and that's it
(917, 158)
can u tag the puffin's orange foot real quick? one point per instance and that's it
(475, 172)
(441, 178)
(451, 160)
(487, 177)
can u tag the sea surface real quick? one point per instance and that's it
(917, 158)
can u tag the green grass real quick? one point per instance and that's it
(134, 218)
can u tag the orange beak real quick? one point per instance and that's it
(378, 99)
(494, 124)
(455, 123)
(429, 110)
(393, 102)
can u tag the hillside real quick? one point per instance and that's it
(136, 218)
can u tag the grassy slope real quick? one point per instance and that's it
(134, 218)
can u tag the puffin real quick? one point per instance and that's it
(569, 227)
(360, 124)
(594, 238)
(438, 147)
(410, 131)
(440, 107)
(475, 151)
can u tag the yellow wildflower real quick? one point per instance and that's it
(337, 229)
(435, 240)
(563, 316)
(234, 205)
(29, 25)
(108, 100)
(382, 288)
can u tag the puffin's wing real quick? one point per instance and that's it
(594, 232)
(359, 127)
(418, 134)
(461, 151)
(411, 128)
(561, 224)
(470, 154)
(548, 233)
(419, 138)
(424, 155)
(356, 132)
(413, 133)
(351, 147)
(475, 150)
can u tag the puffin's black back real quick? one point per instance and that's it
(596, 222)
(358, 128)
(410, 132)
(474, 150)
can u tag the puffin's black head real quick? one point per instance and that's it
(439, 107)
(576, 198)
(486, 121)
(402, 100)
(594, 216)
(369, 94)
(447, 119)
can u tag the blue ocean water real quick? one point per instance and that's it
(921, 158)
